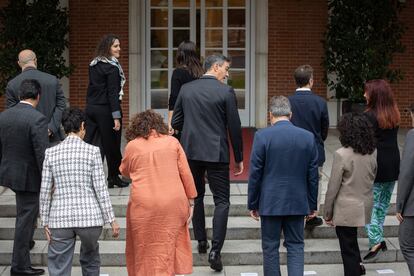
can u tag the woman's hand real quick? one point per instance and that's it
(115, 229)
(48, 234)
(170, 130)
(255, 214)
(117, 125)
(329, 222)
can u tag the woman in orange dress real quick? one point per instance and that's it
(161, 202)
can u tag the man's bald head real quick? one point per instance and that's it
(27, 58)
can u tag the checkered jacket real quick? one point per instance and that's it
(80, 197)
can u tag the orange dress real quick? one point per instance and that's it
(157, 236)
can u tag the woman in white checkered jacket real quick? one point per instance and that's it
(74, 199)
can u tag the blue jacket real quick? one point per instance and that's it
(309, 111)
(283, 171)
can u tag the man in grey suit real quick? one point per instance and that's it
(405, 199)
(23, 140)
(52, 102)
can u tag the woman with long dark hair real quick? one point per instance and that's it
(103, 105)
(188, 68)
(348, 200)
(383, 113)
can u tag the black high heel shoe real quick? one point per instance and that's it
(363, 271)
(372, 254)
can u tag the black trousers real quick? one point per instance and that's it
(219, 182)
(351, 257)
(100, 132)
(27, 210)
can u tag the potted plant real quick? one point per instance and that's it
(38, 25)
(361, 38)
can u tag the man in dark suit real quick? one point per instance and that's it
(206, 113)
(23, 139)
(310, 112)
(52, 102)
(283, 187)
(405, 199)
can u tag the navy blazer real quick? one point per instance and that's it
(309, 111)
(283, 171)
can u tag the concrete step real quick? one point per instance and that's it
(399, 269)
(235, 252)
(238, 228)
(238, 205)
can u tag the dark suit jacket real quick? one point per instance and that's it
(23, 140)
(283, 176)
(309, 111)
(206, 112)
(405, 192)
(52, 101)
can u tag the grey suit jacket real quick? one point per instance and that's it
(405, 191)
(23, 141)
(52, 101)
(349, 198)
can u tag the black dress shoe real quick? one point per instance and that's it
(371, 254)
(214, 259)
(116, 181)
(28, 271)
(31, 244)
(314, 222)
(363, 272)
(202, 247)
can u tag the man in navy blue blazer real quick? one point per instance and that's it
(283, 187)
(310, 112)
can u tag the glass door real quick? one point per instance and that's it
(216, 26)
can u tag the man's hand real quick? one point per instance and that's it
(115, 229)
(117, 125)
(399, 217)
(329, 222)
(313, 214)
(49, 132)
(255, 214)
(238, 168)
(170, 130)
(48, 234)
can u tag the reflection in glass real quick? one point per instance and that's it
(241, 99)
(238, 58)
(159, 17)
(179, 36)
(236, 18)
(214, 3)
(159, 79)
(159, 99)
(159, 38)
(236, 38)
(214, 38)
(181, 3)
(159, 3)
(159, 59)
(236, 3)
(181, 18)
(236, 79)
(214, 18)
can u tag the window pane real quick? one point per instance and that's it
(159, 59)
(159, 38)
(236, 38)
(159, 79)
(237, 18)
(181, 18)
(236, 79)
(236, 3)
(213, 51)
(181, 3)
(159, 3)
(159, 18)
(214, 3)
(214, 18)
(179, 36)
(241, 99)
(159, 99)
(238, 58)
(214, 38)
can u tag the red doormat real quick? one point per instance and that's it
(248, 135)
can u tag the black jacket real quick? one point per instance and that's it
(206, 111)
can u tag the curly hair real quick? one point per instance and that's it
(142, 124)
(357, 132)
